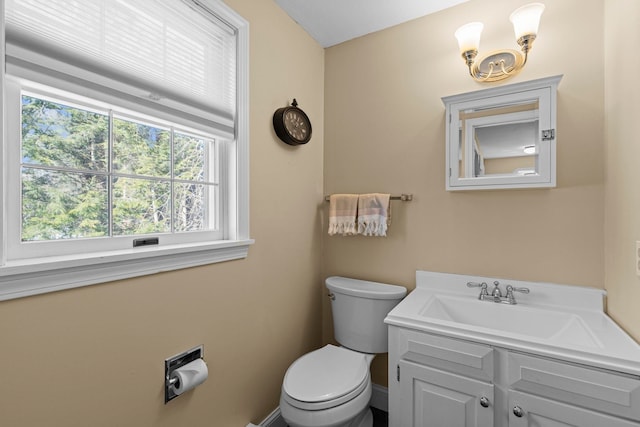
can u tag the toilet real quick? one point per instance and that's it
(331, 386)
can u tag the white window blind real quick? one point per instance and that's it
(171, 54)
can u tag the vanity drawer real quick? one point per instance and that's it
(600, 390)
(457, 356)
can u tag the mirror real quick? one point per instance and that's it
(502, 137)
(499, 141)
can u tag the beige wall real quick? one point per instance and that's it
(622, 200)
(95, 356)
(384, 131)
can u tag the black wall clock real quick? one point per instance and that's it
(292, 125)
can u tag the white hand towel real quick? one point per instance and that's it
(374, 214)
(343, 209)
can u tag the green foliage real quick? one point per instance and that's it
(67, 180)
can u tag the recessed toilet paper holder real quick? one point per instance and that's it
(175, 362)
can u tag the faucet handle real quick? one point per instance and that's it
(476, 285)
(482, 286)
(511, 290)
(514, 289)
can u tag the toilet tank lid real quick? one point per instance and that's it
(365, 288)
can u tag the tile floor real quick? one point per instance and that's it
(380, 418)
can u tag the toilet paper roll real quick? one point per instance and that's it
(189, 376)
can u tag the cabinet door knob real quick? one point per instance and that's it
(484, 402)
(518, 412)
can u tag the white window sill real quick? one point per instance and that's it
(42, 275)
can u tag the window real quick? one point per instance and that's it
(126, 148)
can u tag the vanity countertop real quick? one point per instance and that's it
(557, 321)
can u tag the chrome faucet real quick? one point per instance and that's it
(510, 290)
(496, 293)
(483, 289)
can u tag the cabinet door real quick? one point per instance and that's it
(538, 412)
(433, 398)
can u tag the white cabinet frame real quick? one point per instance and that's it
(542, 91)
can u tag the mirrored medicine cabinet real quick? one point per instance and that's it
(502, 137)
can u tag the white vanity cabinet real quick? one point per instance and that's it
(549, 358)
(438, 381)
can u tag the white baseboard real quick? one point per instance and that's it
(379, 400)
(274, 419)
(379, 397)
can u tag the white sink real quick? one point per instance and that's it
(510, 319)
(557, 321)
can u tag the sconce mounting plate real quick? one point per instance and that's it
(498, 65)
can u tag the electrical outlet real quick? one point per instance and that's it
(637, 257)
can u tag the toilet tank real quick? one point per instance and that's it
(359, 308)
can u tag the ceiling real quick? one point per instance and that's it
(331, 22)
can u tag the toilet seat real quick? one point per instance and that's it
(326, 378)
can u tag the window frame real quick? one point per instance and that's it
(24, 277)
(15, 88)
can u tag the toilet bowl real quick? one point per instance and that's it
(331, 386)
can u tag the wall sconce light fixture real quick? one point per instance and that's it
(500, 64)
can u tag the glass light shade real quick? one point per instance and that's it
(526, 19)
(469, 36)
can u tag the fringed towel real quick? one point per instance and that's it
(374, 214)
(343, 210)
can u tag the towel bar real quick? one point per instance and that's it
(402, 197)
